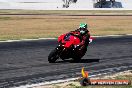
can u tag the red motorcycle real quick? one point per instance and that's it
(67, 48)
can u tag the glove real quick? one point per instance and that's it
(76, 46)
(90, 40)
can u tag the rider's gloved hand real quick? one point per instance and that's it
(76, 46)
(90, 40)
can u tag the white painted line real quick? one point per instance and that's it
(70, 79)
(50, 82)
(47, 83)
(28, 40)
(128, 34)
(113, 35)
(56, 38)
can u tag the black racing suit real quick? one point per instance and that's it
(84, 38)
(84, 41)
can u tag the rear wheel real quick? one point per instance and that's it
(79, 54)
(53, 56)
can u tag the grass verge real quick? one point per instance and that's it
(75, 84)
(39, 26)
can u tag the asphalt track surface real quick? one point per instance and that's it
(26, 62)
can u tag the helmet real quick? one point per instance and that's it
(83, 28)
(83, 25)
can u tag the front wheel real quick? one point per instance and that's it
(53, 56)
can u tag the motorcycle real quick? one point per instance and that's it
(67, 48)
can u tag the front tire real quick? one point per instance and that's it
(53, 56)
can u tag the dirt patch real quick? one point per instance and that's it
(38, 26)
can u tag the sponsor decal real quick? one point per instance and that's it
(85, 81)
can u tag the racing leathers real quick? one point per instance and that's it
(84, 38)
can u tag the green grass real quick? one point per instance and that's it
(5, 18)
(75, 84)
(127, 77)
(129, 86)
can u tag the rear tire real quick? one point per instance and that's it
(53, 56)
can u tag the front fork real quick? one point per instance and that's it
(60, 49)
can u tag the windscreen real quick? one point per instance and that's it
(67, 37)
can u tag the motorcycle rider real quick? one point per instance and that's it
(84, 35)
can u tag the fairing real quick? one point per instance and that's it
(68, 40)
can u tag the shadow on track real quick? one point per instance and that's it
(81, 61)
